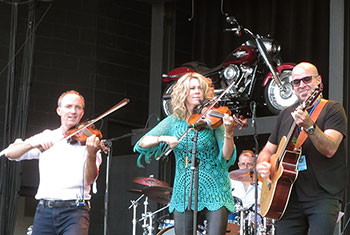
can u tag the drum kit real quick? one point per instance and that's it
(159, 192)
(242, 222)
(155, 190)
(239, 223)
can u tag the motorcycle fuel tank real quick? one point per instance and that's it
(242, 55)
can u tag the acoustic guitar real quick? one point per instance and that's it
(275, 193)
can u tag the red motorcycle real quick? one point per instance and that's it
(257, 60)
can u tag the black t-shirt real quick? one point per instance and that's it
(324, 177)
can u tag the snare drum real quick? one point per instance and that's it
(167, 231)
(234, 219)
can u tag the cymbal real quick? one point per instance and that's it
(244, 175)
(162, 195)
(150, 181)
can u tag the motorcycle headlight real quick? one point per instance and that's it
(275, 48)
(271, 46)
(232, 72)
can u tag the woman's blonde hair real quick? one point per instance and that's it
(181, 89)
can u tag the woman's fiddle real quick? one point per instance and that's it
(214, 116)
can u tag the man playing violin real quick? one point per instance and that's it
(316, 195)
(66, 171)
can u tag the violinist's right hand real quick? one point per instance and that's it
(20, 147)
(170, 140)
(42, 144)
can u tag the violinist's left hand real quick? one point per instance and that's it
(229, 124)
(92, 145)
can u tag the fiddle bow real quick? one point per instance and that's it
(91, 122)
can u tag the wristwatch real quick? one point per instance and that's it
(310, 130)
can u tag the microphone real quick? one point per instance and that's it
(107, 143)
(253, 105)
(200, 125)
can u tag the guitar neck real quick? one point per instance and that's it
(307, 103)
(291, 134)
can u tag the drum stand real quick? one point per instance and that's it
(134, 205)
(242, 222)
(273, 227)
(146, 216)
(148, 228)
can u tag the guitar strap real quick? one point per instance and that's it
(302, 136)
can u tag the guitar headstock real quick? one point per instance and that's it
(313, 97)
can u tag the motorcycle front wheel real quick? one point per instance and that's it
(278, 99)
(166, 99)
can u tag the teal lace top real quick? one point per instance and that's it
(214, 184)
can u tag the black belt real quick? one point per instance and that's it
(63, 203)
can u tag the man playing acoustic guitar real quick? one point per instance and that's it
(305, 175)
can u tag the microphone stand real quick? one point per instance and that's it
(195, 177)
(253, 104)
(108, 162)
(106, 192)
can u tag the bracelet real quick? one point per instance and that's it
(228, 136)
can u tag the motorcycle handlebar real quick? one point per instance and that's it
(231, 20)
(238, 31)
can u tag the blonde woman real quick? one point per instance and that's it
(215, 150)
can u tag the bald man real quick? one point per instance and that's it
(316, 196)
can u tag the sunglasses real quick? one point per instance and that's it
(306, 80)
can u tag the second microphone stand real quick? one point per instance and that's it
(253, 107)
(109, 161)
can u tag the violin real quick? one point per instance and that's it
(82, 133)
(214, 116)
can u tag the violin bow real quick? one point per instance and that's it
(109, 111)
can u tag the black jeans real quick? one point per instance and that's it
(317, 217)
(217, 221)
